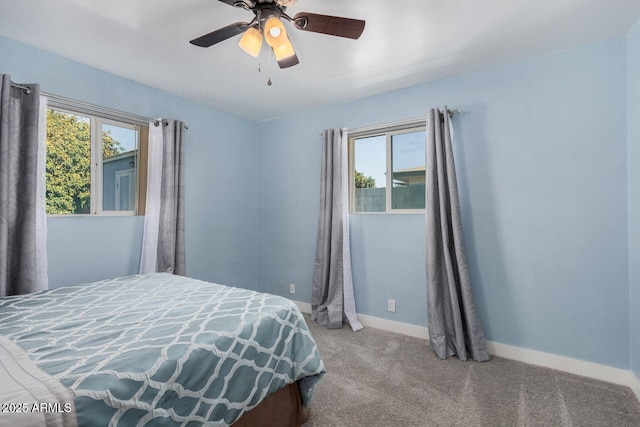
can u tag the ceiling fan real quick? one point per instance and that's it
(268, 23)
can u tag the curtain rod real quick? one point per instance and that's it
(62, 101)
(398, 123)
(27, 90)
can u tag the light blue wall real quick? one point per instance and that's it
(220, 215)
(633, 58)
(542, 159)
(541, 150)
(82, 250)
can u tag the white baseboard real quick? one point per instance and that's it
(562, 363)
(597, 371)
(379, 323)
(393, 326)
(304, 307)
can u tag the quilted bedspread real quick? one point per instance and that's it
(164, 350)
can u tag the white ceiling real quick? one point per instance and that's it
(404, 43)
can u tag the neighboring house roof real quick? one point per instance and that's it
(420, 169)
(124, 155)
(410, 175)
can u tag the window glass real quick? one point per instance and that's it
(68, 164)
(370, 174)
(92, 164)
(119, 165)
(408, 165)
(387, 169)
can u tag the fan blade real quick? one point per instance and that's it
(221, 34)
(331, 25)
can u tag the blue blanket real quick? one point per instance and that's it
(160, 349)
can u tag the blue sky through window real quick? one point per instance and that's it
(126, 137)
(370, 155)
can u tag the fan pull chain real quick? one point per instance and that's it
(269, 83)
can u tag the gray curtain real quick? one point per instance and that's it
(454, 328)
(332, 299)
(163, 247)
(21, 180)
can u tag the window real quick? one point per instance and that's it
(93, 164)
(372, 154)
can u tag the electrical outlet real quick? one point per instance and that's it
(391, 305)
(292, 288)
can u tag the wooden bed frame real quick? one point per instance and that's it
(282, 409)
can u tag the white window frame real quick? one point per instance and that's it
(388, 131)
(96, 197)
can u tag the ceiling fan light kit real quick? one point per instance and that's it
(274, 32)
(285, 55)
(251, 41)
(268, 23)
(283, 51)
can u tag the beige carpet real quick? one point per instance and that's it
(378, 378)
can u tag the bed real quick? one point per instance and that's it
(158, 350)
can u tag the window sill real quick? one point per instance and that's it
(395, 212)
(101, 215)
